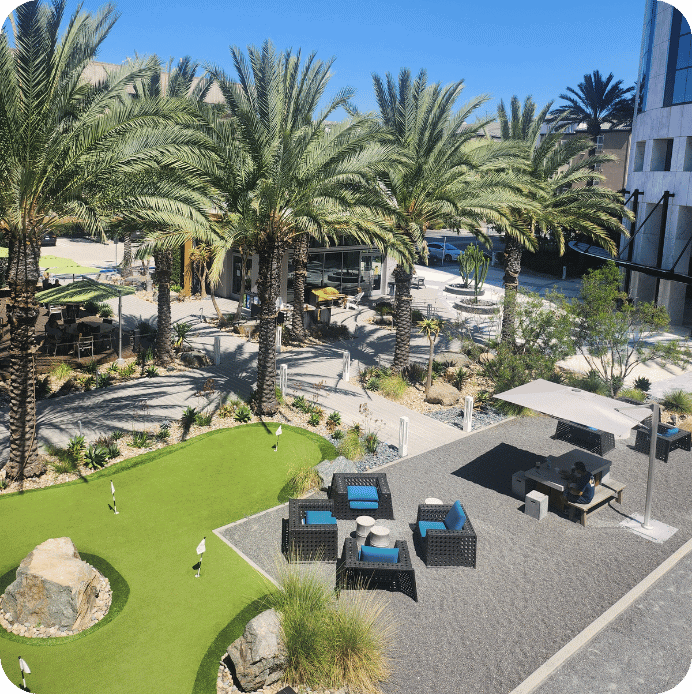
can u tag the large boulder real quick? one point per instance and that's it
(442, 393)
(327, 468)
(259, 656)
(454, 359)
(195, 360)
(53, 587)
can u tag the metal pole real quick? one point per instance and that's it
(121, 361)
(652, 463)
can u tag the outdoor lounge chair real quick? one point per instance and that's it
(357, 494)
(669, 438)
(310, 532)
(354, 301)
(588, 438)
(376, 567)
(440, 544)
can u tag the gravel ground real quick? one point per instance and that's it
(455, 417)
(536, 584)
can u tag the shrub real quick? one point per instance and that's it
(91, 367)
(314, 419)
(4, 484)
(66, 461)
(333, 421)
(203, 420)
(677, 401)
(187, 419)
(113, 450)
(592, 382)
(104, 380)
(439, 368)
(460, 376)
(91, 306)
(373, 383)
(357, 429)
(510, 369)
(371, 442)
(151, 372)
(227, 410)
(87, 382)
(302, 480)
(331, 643)
(417, 316)
(393, 386)
(300, 403)
(351, 446)
(243, 414)
(337, 434)
(182, 331)
(128, 371)
(163, 434)
(279, 396)
(632, 394)
(416, 373)
(117, 434)
(75, 448)
(113, 368)
(96, 457)
(61, 370)
(642, 383)
(105, 311)
(43, 388)
(140, 439)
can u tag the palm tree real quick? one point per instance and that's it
(595, 102)
(64, 145)
(559, 201)
(297, 178)
(450, 176)
(430, 327)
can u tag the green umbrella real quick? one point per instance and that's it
(88, 290)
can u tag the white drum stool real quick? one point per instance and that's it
(363, 526)
(432, 501)
(379, 536)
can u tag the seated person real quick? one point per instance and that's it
(46, 280)
(52, 326)
(582, 488)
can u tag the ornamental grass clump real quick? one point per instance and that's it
(301, 481)
(330, 642)
(677, 401)
(351, 446)
(392, 386)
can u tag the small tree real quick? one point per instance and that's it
(430, 327)
(614, 335)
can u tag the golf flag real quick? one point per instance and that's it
(115, 510)
(25, 670)
(201, 548)
(278, 433)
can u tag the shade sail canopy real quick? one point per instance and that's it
(81, 291)
(576, 405)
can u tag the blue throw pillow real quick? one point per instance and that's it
(362, 493)
(669, 432)
(592, 429)
(319, 518)
(424, 526)
(385, 555)
(362, 504)
(456, 517)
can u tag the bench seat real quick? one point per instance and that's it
(602, 495)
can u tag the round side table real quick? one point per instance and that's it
(432, 501)
(364, 525)
(379, 536)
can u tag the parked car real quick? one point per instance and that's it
(49, 239)
(442, 252)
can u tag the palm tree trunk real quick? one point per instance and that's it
(300, 271)
(22, 313)
(126, 265)
(219, 315)
(270, 255)
(164, 267)
(243, 272)
(402, 313)
(513, 251)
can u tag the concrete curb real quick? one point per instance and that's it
(533, 681)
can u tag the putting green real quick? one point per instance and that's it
(171, 631)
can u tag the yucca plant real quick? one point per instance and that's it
(95, 457)
(243, 414)
(140, 439)
(642, 383)
(75, 448)
(61, 371)
(187, 419)
(202, 419)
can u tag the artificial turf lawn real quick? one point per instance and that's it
(172, 629)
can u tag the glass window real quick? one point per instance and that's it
(679, 86)
(683, 52)
(332, 270)
(350, 277)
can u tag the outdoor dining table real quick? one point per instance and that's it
(551, 482)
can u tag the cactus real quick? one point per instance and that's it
(474, 264)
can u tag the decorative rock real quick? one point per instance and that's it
(327, 468)
(195, 360)
(456, 359)
(442, 393)
(35, 469)
(259, 656)
(54, 587)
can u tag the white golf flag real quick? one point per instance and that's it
(112, 489)
(278, 431)
(24, 667)
(201, 547)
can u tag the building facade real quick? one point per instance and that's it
(659, 176)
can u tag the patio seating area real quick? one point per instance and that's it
(589, 438)
(669, 439)
(528, 574)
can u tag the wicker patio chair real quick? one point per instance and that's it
(351, 509)
(665, 441)
(352, 573)
(302, 542)
(442, 547)
(593, 440)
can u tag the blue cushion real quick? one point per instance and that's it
(456, 517)
(424, 526)
(669, 432)
(386, 555)
(362, 504)
(592, 429)
(362, 493)
(319, 518)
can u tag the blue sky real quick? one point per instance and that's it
(499, 47)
